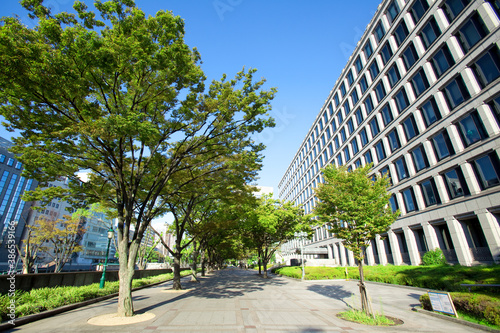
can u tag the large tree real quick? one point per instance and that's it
(122, 98)
(357, 208)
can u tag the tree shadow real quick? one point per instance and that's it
(335, 292)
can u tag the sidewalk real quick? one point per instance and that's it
(235, 300)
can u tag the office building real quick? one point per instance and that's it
(420, 99)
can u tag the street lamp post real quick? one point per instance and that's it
(302, 235)
(111, 234)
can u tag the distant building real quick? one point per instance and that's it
(13, 210)
(420, 99)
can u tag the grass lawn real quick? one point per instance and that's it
(39, 300)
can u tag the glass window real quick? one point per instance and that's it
(471, 129)
(442, 61)
(385, 172)
(487, 68)
(354, 145)
(336, 142)
(393, 140)
(380, 91)
(419, 158)
(368, 50)
(342, 134)
(456, 92)
(368, 157)
(442, 145)
(386, 53)
(368, 104)
(328, 134)
(487, 170)
(409, 56)
(339, 160)
(430, 112)
(374, 71)
(401, 32)
(350, 77)
(401, 100)
(330, 149)
(495, 107)
(454, 7)
(410, 128)
(430, 33)
(330, 108)
(393, 75)
(334, 125)
(409, 199)
(336, 99)
(419, 83)
(19, 165)
(2, 158)
(347, 107)
(401, 169)
(340, 117)
(374, 126)
(496, 6)
(455, 183)
(10, 162)
(354, 97)
(359, 116)
(342, 89)
(392, 11)
(350, 126)
(418, 10)
(347, 154)
(379, 148)
(394, 203)
(430, 193)
(358, 64)
(364, 137)
(471, 32)
(363, 84)
(357, 163)
(386, 114)
(379, 32)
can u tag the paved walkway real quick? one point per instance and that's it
(235, 300)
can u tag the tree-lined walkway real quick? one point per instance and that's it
(235, 300)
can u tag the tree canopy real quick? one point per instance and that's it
(123, 98)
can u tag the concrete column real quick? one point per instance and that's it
(343, 260)
(430, 236)
(459, 241)
(491, 231)
(429, 152)
(336, 253)
(455, 138)
(470, 178)
(330, 251)
(350, 255)
(382, 256)
(411, 243)
(369, 256)
(396, 251)
(489, 120)
(441, 188)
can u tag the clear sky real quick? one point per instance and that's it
(300, 47)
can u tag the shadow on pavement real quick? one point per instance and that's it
(335, 292)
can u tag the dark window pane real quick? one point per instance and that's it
(410, 56)
(418, 10)
(359, 116)
(419, 159)
(401, 32)
(339, 160)
(363, 84)
(401, 100)
(456, 92)
(340, 117)
(368, 104)
(374, 71)
(368, 50)
(379, 32)
(364, 137)
(454, 7)
(354, 97)
(442, 60)
(401, 169)
(342, 134)
(374, 127)
(496, 6)
(430, 112)
(386, 114)
(430, 32)
(393, 75)
(359, 64)
(380, 91)
(368, 157)
(336, 142)
(386, 53)
(419, 83)
(334, 125)
(342, 89)
(471, 32)
(336, 99)
(455, 183)
(495, 107)
(347, 107)
(442, 145)
(394, 203)
(410, 128)
(330, 108)
(393, 140)
(347, 154)
(409, 199)
(429, 192)
(487, 68)
(350, 78)
(379, 148)
(471, 129)
(354, 146)
(392, 11)
(350, 126)
(487, 169)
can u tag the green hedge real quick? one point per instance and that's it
(480, 306)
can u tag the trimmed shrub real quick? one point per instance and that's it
(434, 257)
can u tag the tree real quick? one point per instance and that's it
(357, 208)
(272, 223)
(31, 246)
(123, 98)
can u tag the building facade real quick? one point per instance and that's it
(14, 212)
(420, 99)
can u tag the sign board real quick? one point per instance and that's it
(441, 302)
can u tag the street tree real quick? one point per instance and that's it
(273, 222)
(32, 245)
(356, 207)
(122, 98)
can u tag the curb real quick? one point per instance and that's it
(49, 313)
(456, 320)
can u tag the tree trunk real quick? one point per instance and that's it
(177, 271)
(264, 264)
(203, 263)
(194, 267)
(127, 257)
(259, 263)
(366, 305)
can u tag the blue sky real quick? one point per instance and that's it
(300, 47)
